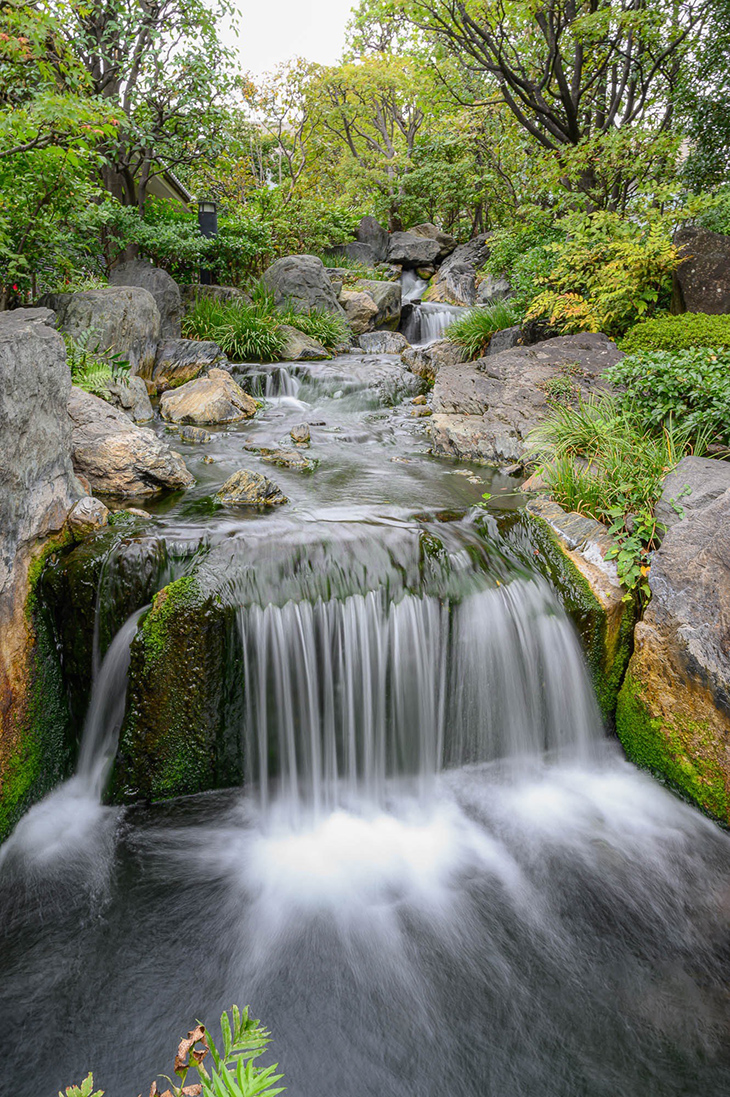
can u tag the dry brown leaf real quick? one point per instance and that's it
(185, 1047)
(193, 1091)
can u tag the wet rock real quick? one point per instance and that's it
(162, 286)
(411, 250)
(288, 459)
(302, 282)
(360, 310)
(372, 233)
(387, 298)
(123, 319)
(195, 434)
(300, 434)
(131, 397)
(212, 399)
(419, 400)
(37, 490)
(116, 456)
(87, 516)
(425, 362)
(485, 410)
(299, 347)
(673, 716)
(383, 342)
(246, 489)
(421, 411)
(703, 278)
(180, 360)
(455, 281)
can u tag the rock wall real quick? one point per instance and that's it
(37, 489)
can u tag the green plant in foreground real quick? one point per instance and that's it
(84, 1090)
(598, 460)
(688, 331)
(327, 328)
(475, 328)
(92, 368)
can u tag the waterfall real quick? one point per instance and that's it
(347, 696)
(271, 382)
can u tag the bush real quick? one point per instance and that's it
(598, 460)
(607, 274)
(684, 332)
(690, 389)
(92, 369)
(520, 253)
(475, 328)
(327, 328)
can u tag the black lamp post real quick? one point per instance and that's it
(208, 223)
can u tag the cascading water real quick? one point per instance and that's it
(425, 321)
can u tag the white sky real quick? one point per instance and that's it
(272, 31)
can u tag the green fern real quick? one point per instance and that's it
(93, 368)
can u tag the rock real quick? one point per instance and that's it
(123, 319)
(425, 362)
(131, 397)
(300, 434)
(299, 347)
(383, 342)
(358, 252)
(284, 458)
(696, 482)
(455, 281)
(195, 434)
(703, 278)
(137, 512)
(180, 360)
(411, 250)
(492, 288)
(419, 400)
(445, 241)
(506, 339)
(485, 410)
(372, 233)
(116, 456)
(212, 399)
(387, 297)
(673, 714)
(37, 490)
(360, 310)
(246, 488)
(302, 282)
(421, 412)
(162, 286)
(87, 516)
(191, 294)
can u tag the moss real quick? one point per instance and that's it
(176, 738)
(683, 753)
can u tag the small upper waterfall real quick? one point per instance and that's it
(425, 321)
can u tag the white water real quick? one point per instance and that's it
(427, 320)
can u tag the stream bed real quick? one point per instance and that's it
(440, 875)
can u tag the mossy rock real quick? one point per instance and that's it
(181, 729)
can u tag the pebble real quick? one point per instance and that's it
(419, 400)
(300, 434)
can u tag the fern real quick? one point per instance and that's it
(93, 368)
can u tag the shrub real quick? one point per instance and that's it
(92, 368)
(598, 460)
(330, 330)
(475, 328)
(690, 389)
(607, 274)
(684, 332)
(520, 252)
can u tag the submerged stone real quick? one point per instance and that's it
(247, 489)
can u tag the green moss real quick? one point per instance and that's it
(682, 753)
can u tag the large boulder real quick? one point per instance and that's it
(673, 715)
(181, 360)
(38, 488)
(372, 233)
(703, 278)
(302, 282)
(413, 251)
(493, 288)
(299, 347)
(426, 361)
(212, 399)
(455, 282)
(116, 456)
(387, 297)
(484, 411)
(383, 342)
(162, 286)
(358, 253)
(197, 291)
(123, 319)
(360, 310)
(131, 397)
(445, 240)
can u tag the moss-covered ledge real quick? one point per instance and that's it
(570, 550)
(179, 736)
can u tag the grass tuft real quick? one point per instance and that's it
(475, 328)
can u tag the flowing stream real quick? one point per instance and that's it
(425, 321)
(440, 875)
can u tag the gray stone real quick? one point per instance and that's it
(445, 241)
(131, 397)
(122, 319)
(300, 434)
(302, 282)
(455, 281)
(247, 488)
(695, 483)
(387, 297)
(411, 250)
(360, 310)
(703, 277)
(383, 342)
(116, 456)
(426, 361)
(284, 458)
(299, 347)
(506, 339)
(195, 434)
(372, 233)
(212, 399)
(486, 410)
(180, 360)
(358, 253)
(87, 516)
(492, 288)
(162, 286)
